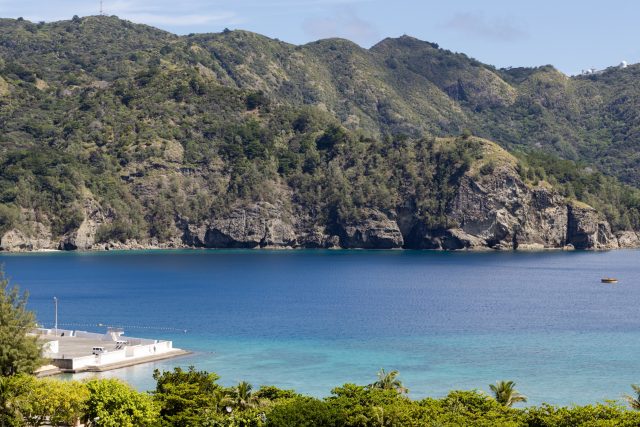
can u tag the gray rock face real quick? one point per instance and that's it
(628, 239)
(504, 213)
(36, 237)
(544, 221)
(258, 225)
(375, 231)
(265, 225)
(17, 241)
(499, 211)
(315, 238)
(587, 230)
(84, 237)
(487, 210)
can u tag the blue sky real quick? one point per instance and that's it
(572, 35)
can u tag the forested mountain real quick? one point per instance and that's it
(114, 134)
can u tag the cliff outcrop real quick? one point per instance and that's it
(492, 208)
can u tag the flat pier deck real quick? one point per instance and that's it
(70, 347)
(176, 352)
(80, 351)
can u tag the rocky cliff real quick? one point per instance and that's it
(492, 208)
(117, 135)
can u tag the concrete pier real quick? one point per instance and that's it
(80, 351)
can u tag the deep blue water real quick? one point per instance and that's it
(312, 320)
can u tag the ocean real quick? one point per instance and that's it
(314, 319)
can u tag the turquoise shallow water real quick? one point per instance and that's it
(312, 320)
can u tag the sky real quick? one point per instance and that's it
(571, 35)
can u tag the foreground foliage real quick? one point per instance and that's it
(194, 398)
(19, 351)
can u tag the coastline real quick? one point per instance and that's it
(51, 370)
(153, 248)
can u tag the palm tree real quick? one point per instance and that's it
(243, 397)
(505, 393)
(634, 402)
(389, 381)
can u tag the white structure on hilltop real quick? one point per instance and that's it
(593, 70)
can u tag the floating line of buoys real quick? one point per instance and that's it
(103, 325)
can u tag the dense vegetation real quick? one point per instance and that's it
(191, 398)
(577, 181)
(19, 352)
(159, 129)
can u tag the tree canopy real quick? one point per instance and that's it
(20, 350)
(29, 401)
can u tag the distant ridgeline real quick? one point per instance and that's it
(118, 135)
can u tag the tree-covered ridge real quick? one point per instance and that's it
(399, 85)
(145, 132)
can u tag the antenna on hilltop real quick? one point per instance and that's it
(101, 10)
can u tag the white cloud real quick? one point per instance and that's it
(162, 12)
(152, 12)
(204, 15)
(180, 20)
(307, 3)
(477, 25)
(344, 23)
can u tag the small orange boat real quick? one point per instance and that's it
(609, 280)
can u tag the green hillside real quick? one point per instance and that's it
(147, 134)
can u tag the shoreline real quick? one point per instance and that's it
(51, 370)
(300, 249)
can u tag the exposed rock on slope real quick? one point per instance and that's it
(492, 208)
(628, 239)
(503, 212)
(498, 210)
(375, 231)
(258, 225)
(34, 235)
(586, 229)
(85, 236)
(17, 241)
